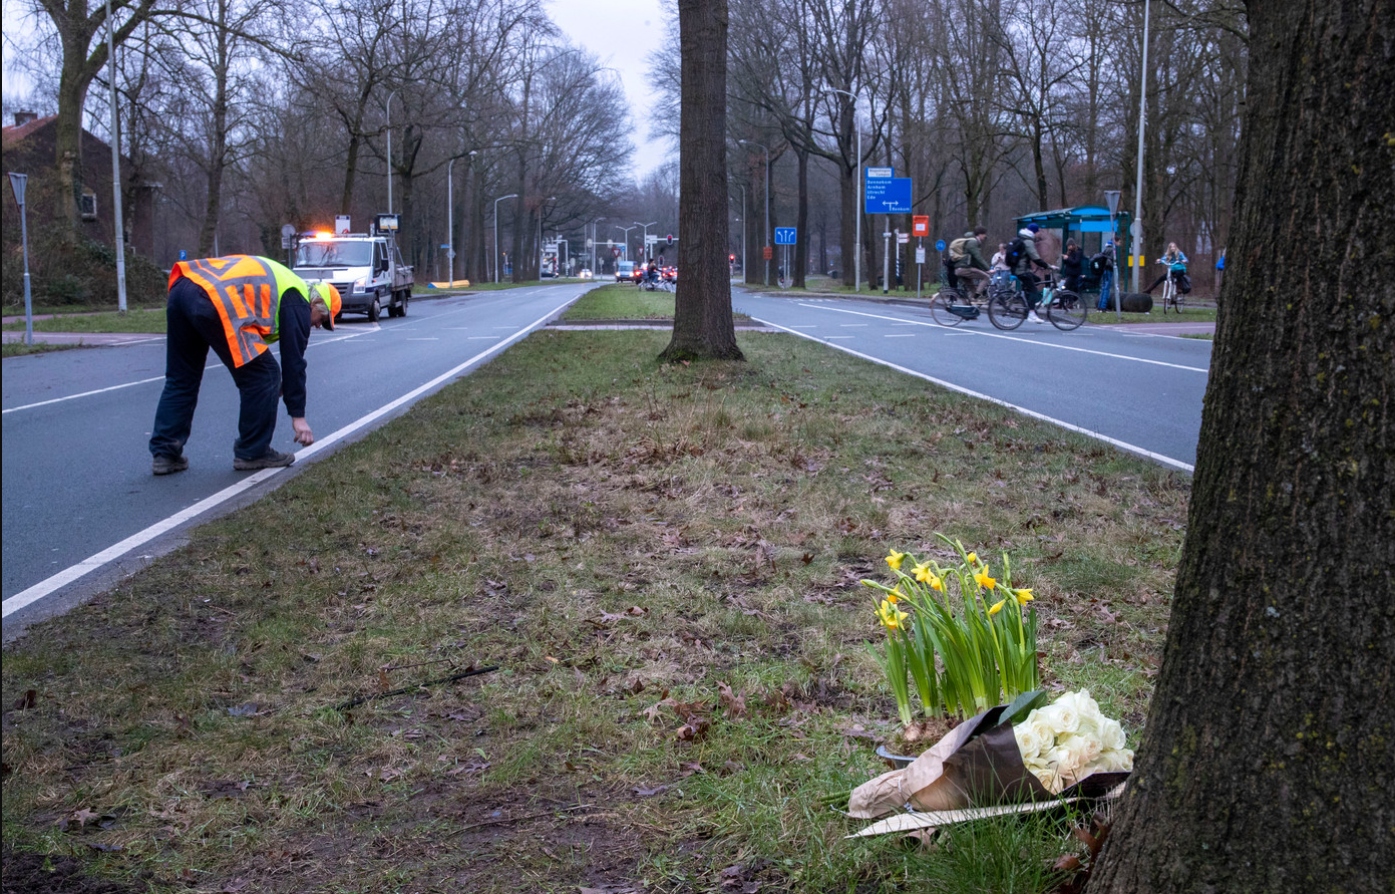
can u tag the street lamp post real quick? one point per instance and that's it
(626, 231)
(512, 195)
(1136, 228)
(387, 109)
(766, 234)
(596, 247)
(652, 223)
(857, 211)
(119, 226)
(744, 268)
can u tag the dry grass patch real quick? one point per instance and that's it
(663, 562)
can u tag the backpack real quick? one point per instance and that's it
(1100, 263)
(1184, 284)
(1015, 253)
(956, 249)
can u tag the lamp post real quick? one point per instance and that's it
(652, 223)
(766, 234)
(857, 211)
(744, 268)
(118, 225)
(387, 108)
(627, 236)
(512, 195)
(17, 183)
(596, 247)
(1136, 228)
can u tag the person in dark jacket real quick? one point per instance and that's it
(1072, 266)
(969, 264)
(1024, 270)
(238, 306)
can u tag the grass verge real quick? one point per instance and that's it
(664, 563)
(134, 320)
(20, 349)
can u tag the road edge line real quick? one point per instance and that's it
(72, 573)
(1115, 442)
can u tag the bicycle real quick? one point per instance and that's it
(952, 305)
(1170, 295)
(1064, 309)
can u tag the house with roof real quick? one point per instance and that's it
(28, 147)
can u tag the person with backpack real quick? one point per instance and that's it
(1102, 265)
(966, 254)
(1021, 258)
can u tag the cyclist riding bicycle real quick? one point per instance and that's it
(1023, 251)
(651, 273)
(966, 260)
(1176, 264)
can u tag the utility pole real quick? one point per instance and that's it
(118, 225)
(1136, 228)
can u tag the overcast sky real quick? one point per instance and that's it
(622, 33)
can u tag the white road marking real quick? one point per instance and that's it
(480, 337)
(92, 563)
(899, 335)
(423, 339)
(1029, 341)
(213, 365)
(830, 338)
(854, 325)
(1132, 448)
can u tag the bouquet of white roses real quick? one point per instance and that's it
(1026, 751)
(1070, 739)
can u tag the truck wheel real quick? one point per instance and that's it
(392, 306)
(402, 308)
(374, 310)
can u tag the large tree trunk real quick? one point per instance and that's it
(703, 327)
(800, 261)
(1266, 761)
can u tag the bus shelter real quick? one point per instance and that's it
(1090, 227)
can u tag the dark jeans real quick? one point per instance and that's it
(1030, 288)
(194, 327)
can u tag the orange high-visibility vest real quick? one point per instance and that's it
(247, 292)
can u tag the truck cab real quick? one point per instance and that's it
(366, 268)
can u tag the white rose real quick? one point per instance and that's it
(1080, 750)
(1033, 737)
(1064, 718)
(1114, 761)
(1049, 779)
(1112, 735)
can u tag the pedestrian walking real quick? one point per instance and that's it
(1072, 266)
(1102, 265)
(238, 306)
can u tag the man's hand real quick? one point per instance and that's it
(303, 435)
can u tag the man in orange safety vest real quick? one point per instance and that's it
(238, 305)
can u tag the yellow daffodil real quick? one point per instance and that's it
(937, 583)
(1023, 595)
(971, 558)
(996, 607)
(895, 560)
(984, 579)
(890, 616)
(893, 597)
(923, 573)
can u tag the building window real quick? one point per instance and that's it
(88, 205)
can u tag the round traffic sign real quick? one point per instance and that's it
(939, 245)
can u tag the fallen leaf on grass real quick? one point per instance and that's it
(28, 700)
(469, 769)
(689, 768)
(733, 705)
(245, 710)
(650, 792)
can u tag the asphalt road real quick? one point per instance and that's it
(1142, 392)
(76, 468)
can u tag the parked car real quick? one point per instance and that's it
(624, 270)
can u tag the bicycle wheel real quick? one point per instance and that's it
(941, 304)
(1067, 311)
(1007, 310)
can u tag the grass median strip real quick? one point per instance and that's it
(663, 561)
(134, 320)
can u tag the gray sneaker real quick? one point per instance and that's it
(272, 459)
(168, 465)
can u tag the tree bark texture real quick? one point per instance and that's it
(703, 327)
(1267, 759)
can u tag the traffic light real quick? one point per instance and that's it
(731, 257)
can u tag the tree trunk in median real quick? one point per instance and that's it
(703, 328)
(1267, 758)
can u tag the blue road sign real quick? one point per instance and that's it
(785, 235)
(939, 245)
(888, 195)
(183, 255)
